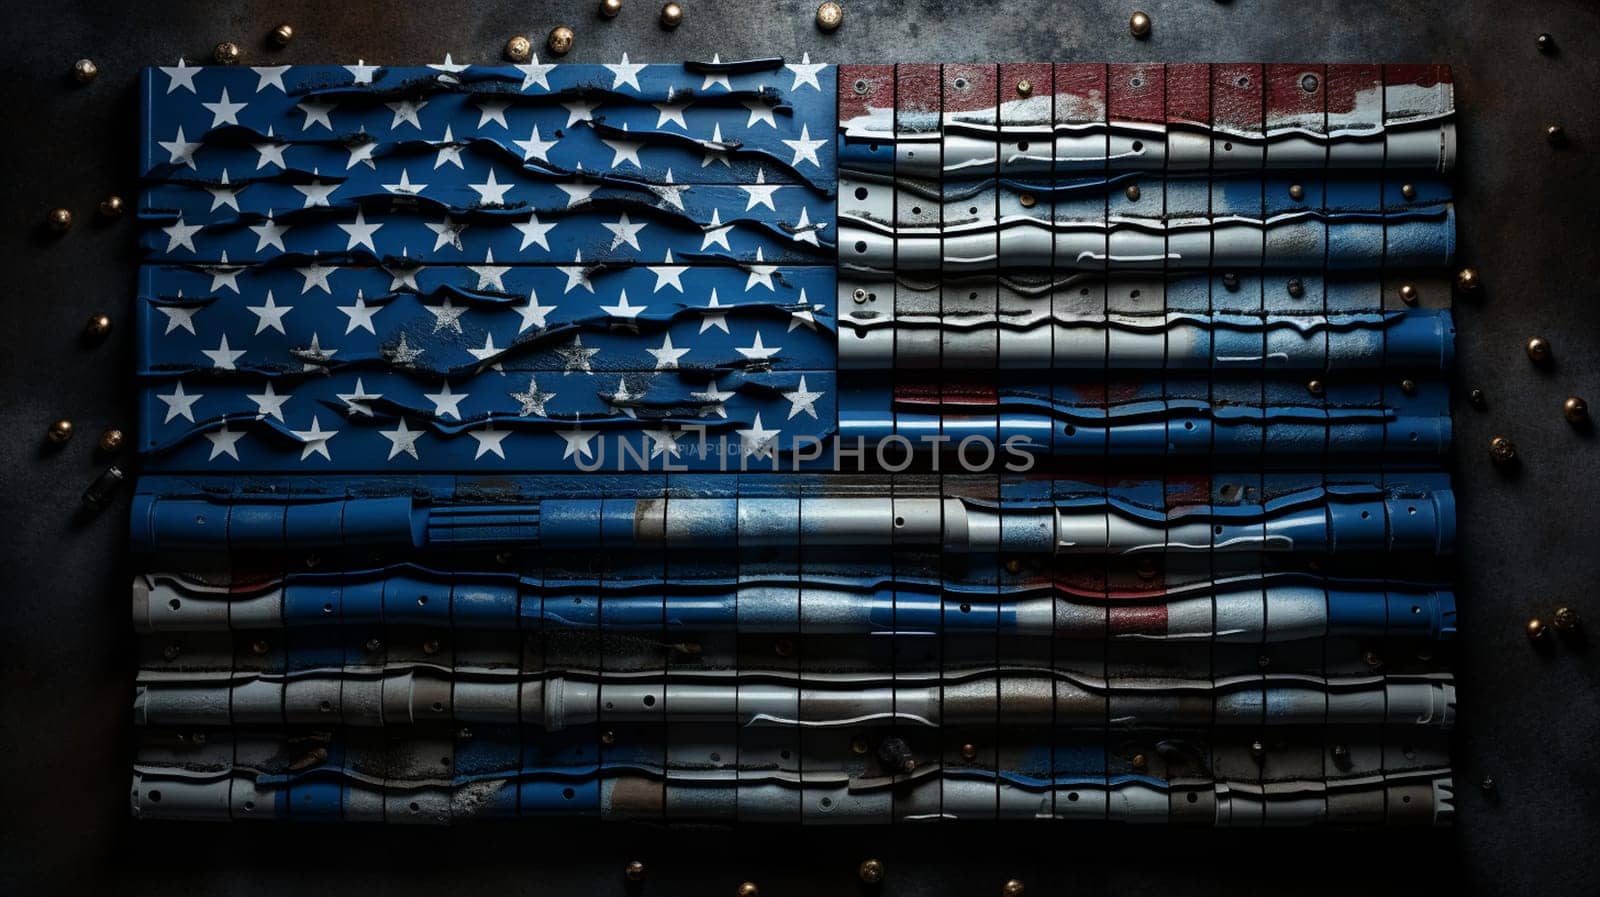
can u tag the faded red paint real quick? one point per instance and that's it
(1236, 96)
(916, 89)
(1137, 92)
(970, 393)
(1040, 75)
(879, 94)
(1422, 75)
(1189, 94)
(1080, 93)
(1139, 619)
(1343, 85)
(1288, 102)
(1187, 489)
(970, 87)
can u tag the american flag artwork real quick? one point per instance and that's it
(782, 441)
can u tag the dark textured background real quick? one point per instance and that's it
(1529, 216)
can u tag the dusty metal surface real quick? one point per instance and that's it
(1528, 215)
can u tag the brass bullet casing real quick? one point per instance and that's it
(1536, 629)
(1024, 88)
(430, 647)
(1576, 410)
(225, 53)
(1296, 288)
(1316, 388)
(60, 431)
(99, 325)
(60, 220)
(1409, 191)
(1567, 620)
(1140, 762)
(1139, 24)
(282, 34)
(1545, 43)
(1538, 349)
(1408, 294)
(1502, 451)
(969, 752)
(84, 71)
(1409, 387)
(260, 646)
(1556, 134)
(519, 49)
(111, 441)
(1012, 888)
(560, 40)
(634, 871)
(1028, 201)
(748, 889)
(1297, 192)
(609, 736)
(1467, 280)
(1132, 193)
(610, 8)
(671, 15)
(111, 207)
(829, 16)
(871, 871)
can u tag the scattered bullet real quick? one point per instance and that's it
(1556, 134)
(1576, 410)
(1546, 43)
(1536, 629)
(111, 441)
(1024, 88)
(519, 49)
(1408, 294)
(829, 16)
(111, 207)
(1478, 399)
(1467, 279)
(634, 870)
(226, 53)
(610, 8)
(671, 15)
(84, 71)
(560, 40)
(1297, 192)
(1538, 350)
(1139, 24)
(1567, 620)
(871, 871)
(1132, 192)
(1409, 191)
(1013, 888)
(1315, 387)
(282, 34)
(97, 326)
(60, 220)
(60, 431)
(749, 889)
(1502, 451)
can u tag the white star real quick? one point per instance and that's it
(757, 441)
(760, 273)
(180, 149)
(805, 316)
(179, 403)
(759, 111)
(224, 112)
(667, 273)
(361, 149)
(317, 192)
(361, 71)
(489, 350)
(406, 112)
(533, 400)
(316, 277)
(618, 403)
(757, 352)
(315, 440)
(448, 232)
(802, 399)
(181, 76)
(671, 112)
(577, 191)
(664, 442)
(625, 73)
(760, 192)
(360, 315)
(712, 400)
(360, 232)
(623, 309)
(667, 356)
(535, 148)
(491, 192)
(805, 72)
(805, 148)
(449, 66)
(224, 275)
(403, 276)
(181, 234)
(493, 110)
(533, 231)
(624, 152)
(270, 151)
(224, 442)
(178, 316)
(405, 186)
(714, 78)
(669, 192)
(449, 151)
(577, 275)
(716, 233)
(579, 110)
(314, 356)
(490, 274)
(270, 234)
(316, 114)
(534, 73)
(714, 149)
(576, 357)
(577, 441)
(489, 440)
(270, 316)
(269, 403)
(446, 315)
(533, 314)
(715, 318)
(356, 402)
(224, 194)
(804, 231)
(402, 355)
(402, 439)
(447, 403)
(223, 357)
(624, 231)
